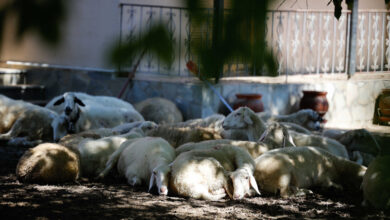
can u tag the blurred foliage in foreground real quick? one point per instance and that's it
(41, 16)
(241, 34)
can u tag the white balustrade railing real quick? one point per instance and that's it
(303, 41)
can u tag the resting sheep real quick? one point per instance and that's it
(376, 182)
(28, 122)
(85, 112)
(276, 134)
(291, 170)
(159, 110)
(142, 160)
(48, 164)
(307, 118)
(254, 149)
(95, 153)
(177, 136)
(246, 122)
(211, 174)
(361, 145)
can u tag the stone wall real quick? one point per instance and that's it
(351, 101)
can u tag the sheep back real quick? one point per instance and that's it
(48, 164)
(159, 110)
(292, 168)
(376, 182)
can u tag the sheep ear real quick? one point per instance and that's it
(59, 101)
(287, 137)
(78, 101)
(247, 118)
(252, 182)
(262, 137)
(228, 190)
(151, 181)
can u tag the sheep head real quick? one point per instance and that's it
(59, 125)
(309, 119)
(160, 178)
(277, 135)
(240, 118)
(71, 103)
(243, 182)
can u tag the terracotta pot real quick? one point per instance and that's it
(315, 100)
(251, 100)
(384, 103)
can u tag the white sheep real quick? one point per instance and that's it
(48, 163)
(255, 149)
(19, 119)
(291, 170)
(307, 118)
(213, 121)
(71, 141)
(94, 154)
(360, 143)
(159, 110)
(195, 174)
(246, 122)
(276, 134)
(85, 112)
(142, 160)
(177, 136)
(376, 182)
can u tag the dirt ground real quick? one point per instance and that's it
(117, 200)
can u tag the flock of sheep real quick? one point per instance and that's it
(243, 154)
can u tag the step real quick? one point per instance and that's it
(10, 76)
(32, 93)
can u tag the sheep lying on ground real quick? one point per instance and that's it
(177, 136)
(159, 110)
(376, 182)
(307, 118)
(19, 119)
(85, 112)
(213, 121)
(211, 174)
(71, 141)
(291, 170)
(360, 143)
(142, 160)
(246, 122)
(254, 149)
(47, 164)
(277, 135)
(95, 153)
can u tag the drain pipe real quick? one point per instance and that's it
(192, 67)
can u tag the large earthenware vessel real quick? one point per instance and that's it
(251, 100)
(315, 100)
(384, 103)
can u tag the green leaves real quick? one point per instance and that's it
(156, 41)
(41, 16)
(242, 38)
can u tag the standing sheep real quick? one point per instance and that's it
(195, 175)
(19, 119)
(48, 164)
(159, 110)
(291, 170)
(142, 160)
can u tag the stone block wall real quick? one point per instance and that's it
(351, 102)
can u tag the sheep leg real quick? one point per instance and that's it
(112, 161)
(213, 197)
(328, 183)
(300, 191)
